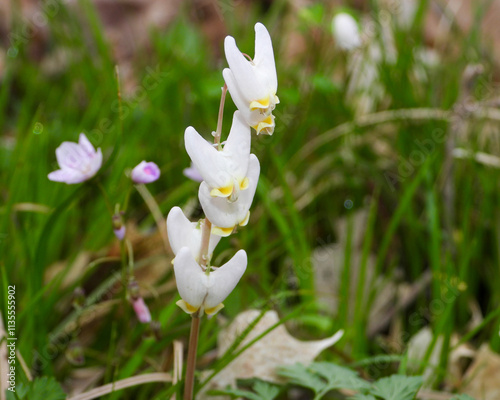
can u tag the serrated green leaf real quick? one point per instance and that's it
(397, 387)
(44, 388)
(266, 390)
(298, 374)
(462, 397)
(339, 377)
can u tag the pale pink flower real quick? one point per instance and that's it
(78, 161)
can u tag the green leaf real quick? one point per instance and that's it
(339, 377)
(266, 390)
(360, 396)
(298, 374)
(462, 397)
(263, 391)
(44, 388)
(397, 387)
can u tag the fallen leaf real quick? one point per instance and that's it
(277, 348)
(482, 377)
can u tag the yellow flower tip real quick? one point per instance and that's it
(186, 307)
(214, 310)
(276, 99)
(260, 104)
(224, 232)
(245, 220)
(244, 183)
(265, 126)
(222, 192)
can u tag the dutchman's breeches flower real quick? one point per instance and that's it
(224, 171)
(78, 162)
(225, 214)
(253, 84)
(204, 291)
(184, 233)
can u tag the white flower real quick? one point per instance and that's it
(184, 233)
(145, 172)
(206, 290)
(224, 171)
(253, 84)
(78, 162)
(224, 214)
(346, 31)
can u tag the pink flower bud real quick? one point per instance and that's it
(141, 310)
(145, 172)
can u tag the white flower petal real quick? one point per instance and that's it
(207, 160)
(184, 233)
(85, 144)
(66, 175)
(191, 280)
(223, 213)
(264, 56)
(243, 71)
(70, 155)
(237, 147)
(239, 99)
(222, 281)
(95, 163)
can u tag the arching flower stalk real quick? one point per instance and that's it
(229, 176)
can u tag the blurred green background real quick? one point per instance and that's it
(382, 174)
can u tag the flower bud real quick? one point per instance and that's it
(145, 172)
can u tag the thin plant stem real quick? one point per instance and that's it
(155, 211)
(203, 261)
(191, 358)
(218, 132)
(205, 242)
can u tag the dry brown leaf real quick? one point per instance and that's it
(482, 378)
(417, 348)
(261, 360)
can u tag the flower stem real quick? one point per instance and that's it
(191, 359)
(206, 229)
(218, 132)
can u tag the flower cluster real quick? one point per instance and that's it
(229, 174)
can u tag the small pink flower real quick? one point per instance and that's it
(145, 172)
(78, 162)
(141, 310)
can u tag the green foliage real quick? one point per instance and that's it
(261, 391)
(323, 377)
(44, 388)
(462, 397)
(397, 387)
